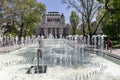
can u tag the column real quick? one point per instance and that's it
(51, 30)
(55, 33)
(60, 31)
(45, 30)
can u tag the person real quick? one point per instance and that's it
(109, 45)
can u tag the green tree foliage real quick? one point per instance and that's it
(21, 17)
(74, 20)
(111, 22)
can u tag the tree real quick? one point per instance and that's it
(74, 20)
(111, 22)
(2, 10)
(87, 8)
(29, 13)
(83, 25)
(21, 15)
(6, 15)
(33, 19)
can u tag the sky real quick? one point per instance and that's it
(57, 6)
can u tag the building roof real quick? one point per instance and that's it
(53, 14)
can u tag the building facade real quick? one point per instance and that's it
(53, 23)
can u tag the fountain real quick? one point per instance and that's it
(22, 41)
(37, 68)
(1, 41)
(16, 40)
(56, 60)
(50, 36)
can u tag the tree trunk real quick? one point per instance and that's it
(91, 39)
(74, 31)
(83, 30)
(21, 31)
(106, 5)
(25, 32)
(90, 33)
(83, 25)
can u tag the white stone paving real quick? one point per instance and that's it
(16, 68)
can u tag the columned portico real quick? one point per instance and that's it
(56, 32)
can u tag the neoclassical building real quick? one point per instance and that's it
(53, 23)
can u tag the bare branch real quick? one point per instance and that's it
(99, 23)
(106, 5)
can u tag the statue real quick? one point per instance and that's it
(38, 68)
(39, 55)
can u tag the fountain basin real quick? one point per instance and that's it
(63, 63)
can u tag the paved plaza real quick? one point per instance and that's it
(116, 52)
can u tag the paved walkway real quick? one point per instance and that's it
(115, 53)
(9, 48)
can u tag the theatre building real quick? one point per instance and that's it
(53, 23)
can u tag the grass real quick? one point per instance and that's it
(116, 45)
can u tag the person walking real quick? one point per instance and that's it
(109, 45)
